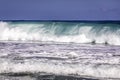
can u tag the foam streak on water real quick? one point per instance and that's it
(60, 59)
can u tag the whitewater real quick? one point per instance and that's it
(50, 50)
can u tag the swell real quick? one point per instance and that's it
(77, 32)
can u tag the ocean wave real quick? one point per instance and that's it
(61, 32)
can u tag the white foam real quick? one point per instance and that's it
(63, 59)
(107, 71)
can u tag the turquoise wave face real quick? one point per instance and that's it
(79, 32)
(67, 28)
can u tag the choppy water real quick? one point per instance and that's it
(66, 59)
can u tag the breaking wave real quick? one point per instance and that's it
(77, 32)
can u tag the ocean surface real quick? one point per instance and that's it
(54, 50)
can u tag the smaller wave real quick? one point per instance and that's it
(92, 70)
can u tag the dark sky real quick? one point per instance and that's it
(60, 9)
